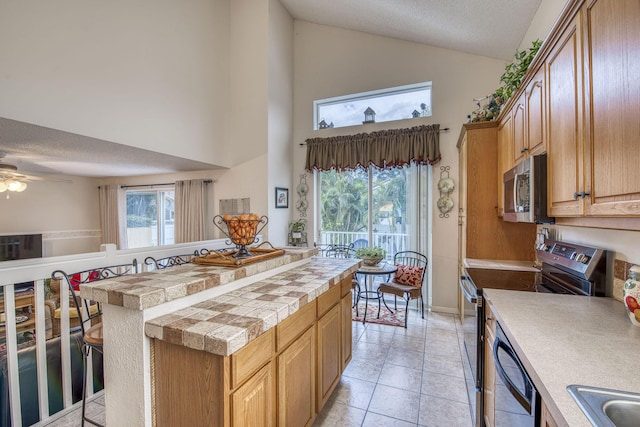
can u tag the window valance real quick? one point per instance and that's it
(387, 148)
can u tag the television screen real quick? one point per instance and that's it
(20, 246)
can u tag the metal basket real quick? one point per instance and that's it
(240, 232)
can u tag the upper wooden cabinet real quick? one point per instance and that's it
(612, 103)
(535, 102)
(593, 161)
(518, 117)
(564, 122)
(527, 116)
(505, 156)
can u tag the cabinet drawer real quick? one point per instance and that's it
(251, 357)
(346, 286)
(295, 325)
(328, 299)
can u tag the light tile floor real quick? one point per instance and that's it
(402, 377)
(397, 377)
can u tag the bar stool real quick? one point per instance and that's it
(90, 322)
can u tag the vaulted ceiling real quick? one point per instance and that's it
(492, 28)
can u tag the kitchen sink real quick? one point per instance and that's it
(606, 407)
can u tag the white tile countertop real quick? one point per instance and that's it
(497, 264)
(567, 339)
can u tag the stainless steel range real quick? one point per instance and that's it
(566, 268)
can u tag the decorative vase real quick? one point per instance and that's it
(632, 295)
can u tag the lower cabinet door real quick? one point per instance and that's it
(254, 404)
(296, 382)
(329, 354)
(347, 340)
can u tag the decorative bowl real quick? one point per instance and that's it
(371, 261)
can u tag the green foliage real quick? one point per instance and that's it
(515, 71)
(298, 225)
(344, 200)
(510, 79)
(371, 252)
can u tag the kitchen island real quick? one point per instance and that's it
(566, 339)
(211, 314)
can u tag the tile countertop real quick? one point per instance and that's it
(496, 264)
(566, 339)
(145, 290)
(226, 323)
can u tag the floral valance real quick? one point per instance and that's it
(387, 148)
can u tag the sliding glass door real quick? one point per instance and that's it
(367, 207)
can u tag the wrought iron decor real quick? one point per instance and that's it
(445, 186)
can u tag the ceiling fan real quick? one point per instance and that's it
(13, 181)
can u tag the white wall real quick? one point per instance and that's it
(330, 62)
(66, 213)
(280, 111)
(148, 74)
(545, 17)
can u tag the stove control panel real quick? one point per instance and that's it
(577, 258)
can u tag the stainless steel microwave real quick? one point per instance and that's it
(525, 191)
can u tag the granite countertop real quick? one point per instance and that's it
(566, 339)
(145, 290)
(496, 264)
(226, 323)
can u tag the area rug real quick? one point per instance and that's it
(386, 317)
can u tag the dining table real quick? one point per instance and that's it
(368, 274)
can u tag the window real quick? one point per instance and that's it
(397, 103)
(150, 217)
(372, 206)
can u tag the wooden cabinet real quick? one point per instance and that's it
(535, 103)
(283, 377)
(489, 391)
(329, 354)
(518, 116)
(527, 116)
(593, 124)
(24, 306)
(505, 156)
(483, 234)
(346, 327)
(296, 381)
(253, 404)
(612, 94)
(564, 119)
(546, 419)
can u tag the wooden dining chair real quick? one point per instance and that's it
(88, 314)
(407, 281)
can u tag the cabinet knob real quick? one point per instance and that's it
(524, 150)
(576, 195)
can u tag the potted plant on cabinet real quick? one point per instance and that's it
(371, 255)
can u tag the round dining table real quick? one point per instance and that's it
(369, 272)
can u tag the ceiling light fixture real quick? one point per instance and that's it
(10, 180)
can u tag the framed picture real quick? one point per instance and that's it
(282, 197)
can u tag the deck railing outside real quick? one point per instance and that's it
(391, 242)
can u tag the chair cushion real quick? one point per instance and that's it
(406, 275)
